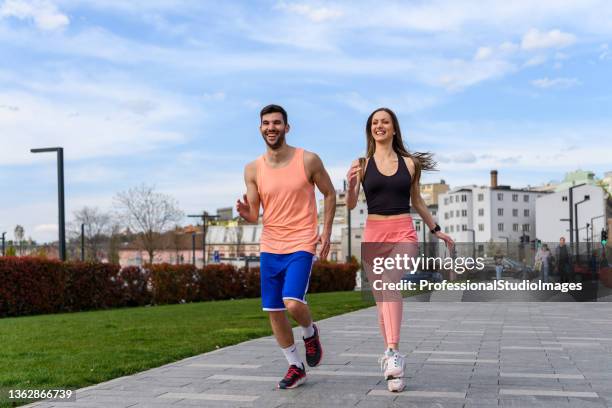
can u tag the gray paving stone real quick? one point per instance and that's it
(474, 352)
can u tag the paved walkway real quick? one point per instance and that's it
(459, 355)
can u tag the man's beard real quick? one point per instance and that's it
(280, 139)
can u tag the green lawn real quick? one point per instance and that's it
(73, 350)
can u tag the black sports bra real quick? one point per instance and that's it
(387, 195)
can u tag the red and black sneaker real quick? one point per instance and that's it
(294, 377)
(314, 351)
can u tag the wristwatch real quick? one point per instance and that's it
(436, 229)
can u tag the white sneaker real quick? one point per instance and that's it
(383, 363)
(395, 366)
(396, 384)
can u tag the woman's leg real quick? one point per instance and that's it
(381, 322)
(391, 322)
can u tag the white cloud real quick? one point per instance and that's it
(605, 52)
(559, 83)
(483, 53)
(536, 60)
(214, 96)
(315, 14)
(46, 228)
(100, 118)
(44, 13)
(535, 39)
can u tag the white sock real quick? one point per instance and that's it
(292, 356)
(308, 331)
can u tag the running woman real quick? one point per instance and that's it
(390, 177)
(283, 180)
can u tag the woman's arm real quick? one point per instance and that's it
(354, 181)
(419, 204)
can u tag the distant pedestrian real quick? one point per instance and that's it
(543, 258)
(499, 267)
(563, 258)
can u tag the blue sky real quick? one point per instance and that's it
(168, 92)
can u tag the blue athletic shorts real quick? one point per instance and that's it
(284, 276)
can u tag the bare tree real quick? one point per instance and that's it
(148, 214)
(97, 225)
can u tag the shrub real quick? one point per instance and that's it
(30, 285)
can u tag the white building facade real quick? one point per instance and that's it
(554, 207)
(497, 213)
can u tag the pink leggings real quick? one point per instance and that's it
(390, 231)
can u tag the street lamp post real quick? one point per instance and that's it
(82, 242)
(205, 217)
(507, 245)
(571, 214)
(473, 242)
(586, 198)
(193, 237)
(348, 219)
(593, 226)
(60, 196)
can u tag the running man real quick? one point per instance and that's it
(283, 180)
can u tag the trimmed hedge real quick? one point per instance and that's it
(36, 285)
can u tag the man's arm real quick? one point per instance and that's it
(318, 175)
(249, 208)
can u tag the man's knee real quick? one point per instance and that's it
(294, 307)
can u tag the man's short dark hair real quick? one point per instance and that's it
(273, 109)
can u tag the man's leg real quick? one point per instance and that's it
(272, 273)
(297, 277)
(281, 328)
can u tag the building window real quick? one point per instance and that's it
(526, 213)
(564, 198)
(456, 213)
(361, 211)
(464, 213)
(334, 256)
(463, 198)
(446, 201)
(515, 212)
(458, 226)
(480, 227)
(480, 197)
(526, 198)
(450, 199)
(500, 226)
(526, 227)
(418, 226)
(452, 227)
(445, 215)
(464, 227)
(514, 197)
(480, 212)
(434, 213)
(515, 227)
(500, 211)
(500, 196)
(450, 214)
(446, 230)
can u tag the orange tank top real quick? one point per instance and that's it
(289, 207)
